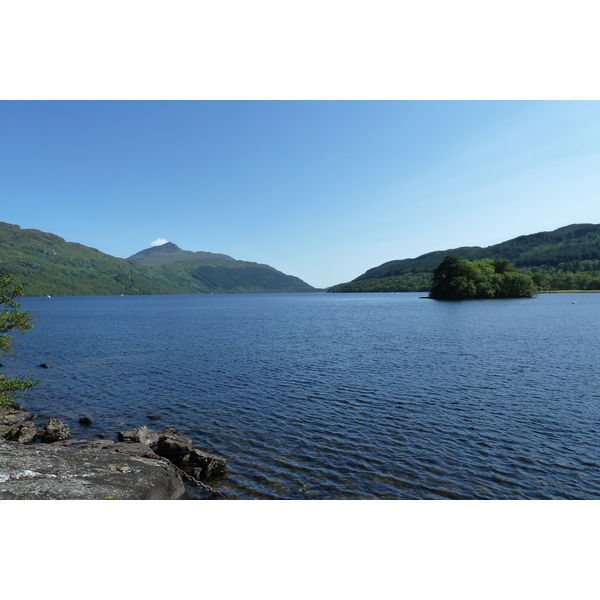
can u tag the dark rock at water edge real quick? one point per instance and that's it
(168, 443)
(141, 435)
(55, 431)
(202, 466)
(9, 417)
(23, 433)
(85, 421)
(172, 446)
(69, 481)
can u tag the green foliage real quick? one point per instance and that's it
(456, 279)
(563, 255)
(575, 248)
(12, 320)
(48, 265)
(410, 282)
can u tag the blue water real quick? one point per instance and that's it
(337, 396)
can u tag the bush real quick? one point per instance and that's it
(12, 320)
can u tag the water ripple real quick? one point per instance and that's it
(323, 396)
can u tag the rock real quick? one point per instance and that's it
(101, 444)
(44, 366)
(152, 418)
(203, 466)
(173, 447)
(12, 416)
(141, 435)
(42, 472)
(24, 433)
(168, 431)
(136, 448)
(55, 431)
(85, 421)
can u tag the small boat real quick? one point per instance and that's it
(48, 296)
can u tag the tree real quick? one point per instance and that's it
(455, 279)
(12, 320)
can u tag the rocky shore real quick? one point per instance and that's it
(45, 464)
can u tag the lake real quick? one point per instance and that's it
(337, 396)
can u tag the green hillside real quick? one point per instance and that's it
(46, 264)
(206, 272)
(567, 258)
(171, 253)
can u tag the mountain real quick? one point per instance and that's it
(548, 255)
(170, 253)
(46, 264)
(206, 272)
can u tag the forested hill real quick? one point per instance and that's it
(572, 249)
(215, 273)
(46, 264)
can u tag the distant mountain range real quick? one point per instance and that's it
(547, 256)
(46, 264)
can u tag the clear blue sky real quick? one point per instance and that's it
(323, 190)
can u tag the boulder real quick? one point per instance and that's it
(9, 417)
(201, 465)
(55, 431)
(24, 433)
(133, 448)
(173, 447)
(43, 472)
(139, 435)
(168, 431)
(85, 421)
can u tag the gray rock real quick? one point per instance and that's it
(136, 448)
(55, 431)
(168, 431)
(43, 472)
(140, 435)
(24, 433)
(11, 416)
(201, 465)
(173, 447)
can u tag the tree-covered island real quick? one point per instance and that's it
(456, 279)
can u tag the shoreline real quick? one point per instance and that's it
(143, 464)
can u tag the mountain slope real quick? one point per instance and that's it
(216, 273)
(170, 253)
(574, 249)
(46, 264)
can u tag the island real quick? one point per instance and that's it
(455, 279)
